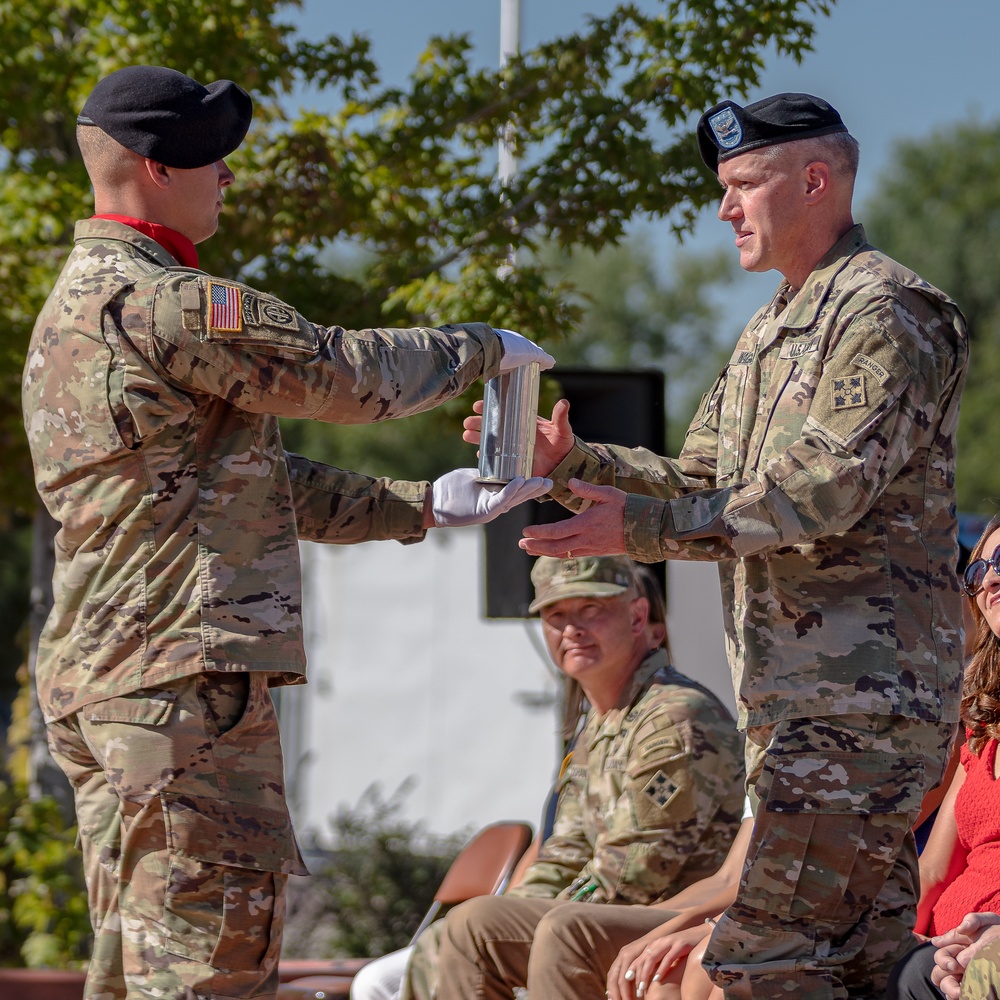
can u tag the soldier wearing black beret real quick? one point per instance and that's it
(819, 474)
(152, 394)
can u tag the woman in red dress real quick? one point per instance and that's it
(960, 866)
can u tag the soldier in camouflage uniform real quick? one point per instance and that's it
(819, 473)
(649, 802)
(151, 397)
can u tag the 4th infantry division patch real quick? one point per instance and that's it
(848, 392)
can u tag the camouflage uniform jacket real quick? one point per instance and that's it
(151, 396)
(819, 472)
(651, 799)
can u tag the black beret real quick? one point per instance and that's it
(728, 130)
(168, 117)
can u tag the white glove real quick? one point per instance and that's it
(457, 499)
(518, 350)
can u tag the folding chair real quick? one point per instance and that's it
(483, 867)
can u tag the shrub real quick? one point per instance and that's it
(371, 884)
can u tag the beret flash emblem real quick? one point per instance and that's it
(726, 128)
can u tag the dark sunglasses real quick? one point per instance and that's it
(975, 572)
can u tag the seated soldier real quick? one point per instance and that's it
(382, 979)
(649, 803)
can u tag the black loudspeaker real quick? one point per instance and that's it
(611, 407)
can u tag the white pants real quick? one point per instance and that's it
(383, 978)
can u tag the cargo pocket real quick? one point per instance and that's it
(223, 897)
(831, 827)
(731, 440)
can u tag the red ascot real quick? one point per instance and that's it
(176, 243)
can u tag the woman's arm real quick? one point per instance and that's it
(943, 859)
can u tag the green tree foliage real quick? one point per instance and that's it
(43, 901)
(377, 882)
(44, 919)
(937, 210)
(633, 313)
(15, 568)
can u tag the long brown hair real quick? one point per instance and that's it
(981, 689)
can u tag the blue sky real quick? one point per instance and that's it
(895, 69)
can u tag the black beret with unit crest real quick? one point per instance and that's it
(728, 129)
(168, 117)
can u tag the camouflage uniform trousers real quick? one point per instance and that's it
(185, 836)
(492, 946)
(827, 900)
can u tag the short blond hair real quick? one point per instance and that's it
(108, 162)
(839, 149)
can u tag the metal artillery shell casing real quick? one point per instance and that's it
(510, 406)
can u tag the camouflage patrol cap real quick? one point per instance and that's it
(168, 117)
(728, 129)
(587, 576)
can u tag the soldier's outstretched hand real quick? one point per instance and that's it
(458, 499)
(597, 531)
(553, 438)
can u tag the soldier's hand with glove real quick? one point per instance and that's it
(457, 499)
(518, 350)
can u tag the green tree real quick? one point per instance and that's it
(937, 210)
(44, 920)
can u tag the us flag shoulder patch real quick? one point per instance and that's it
(225, 308)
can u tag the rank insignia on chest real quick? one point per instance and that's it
(848, 392)
(660, 790)
(225, 308)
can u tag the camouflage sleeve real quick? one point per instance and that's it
(638, 470)
(634, 470)
(817, 473)
(259, 354)
(340, 507)
(566, 851)
(677, 779)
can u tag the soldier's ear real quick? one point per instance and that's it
(817, 180)
(157, 173)
(639, 611)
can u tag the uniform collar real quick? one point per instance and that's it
(655, 668)
(804, 306)
(181, 249)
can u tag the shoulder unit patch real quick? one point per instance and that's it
(849, 391)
